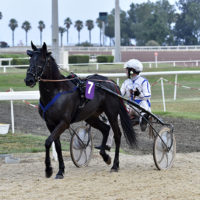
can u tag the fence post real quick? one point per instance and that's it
(174, 64)
(0, 63)
(12, 114)
(156, 59)
(163, 94)
(97, 66)
(149, 65)
(4, 67)
(117, 81)
(175, 86)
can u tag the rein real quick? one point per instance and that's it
(62, 80)
(59, 80)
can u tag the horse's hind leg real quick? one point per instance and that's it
(95, 122)
(117, 136)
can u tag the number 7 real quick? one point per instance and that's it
(90, 87)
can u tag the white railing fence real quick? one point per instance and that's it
(70, 67)
(72, 48)
(34, 95)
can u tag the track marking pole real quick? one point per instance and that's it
(163, 94)
(175, 87)
(12, 114)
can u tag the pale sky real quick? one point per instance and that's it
(36, 10)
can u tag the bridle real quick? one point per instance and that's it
(35, 74)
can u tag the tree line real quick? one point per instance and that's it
(149, 23)
(26, 25)
(158, 23)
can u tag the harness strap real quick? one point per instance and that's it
(45, 108)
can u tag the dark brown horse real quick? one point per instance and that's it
(60, 106)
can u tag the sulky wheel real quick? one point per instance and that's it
(81, 146)
(164, 158)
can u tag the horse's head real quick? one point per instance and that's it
(38, 61)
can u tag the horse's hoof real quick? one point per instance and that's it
(58, 176)
(108, 162)
(49, 172)
(114, 169)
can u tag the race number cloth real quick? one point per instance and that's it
(89, 91)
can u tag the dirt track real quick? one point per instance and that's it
(27, 120)
(137, 179)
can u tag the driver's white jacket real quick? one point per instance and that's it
(143, 86)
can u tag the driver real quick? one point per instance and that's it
(137, 89)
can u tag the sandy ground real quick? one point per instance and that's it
(137, 179)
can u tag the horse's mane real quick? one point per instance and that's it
(55, 68)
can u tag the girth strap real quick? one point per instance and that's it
(45, 108)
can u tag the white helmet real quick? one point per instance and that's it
(134, 64)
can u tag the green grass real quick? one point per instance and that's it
(21, 143)
(14, 81)
(175, 114)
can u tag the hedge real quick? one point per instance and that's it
(105, 59)
(78, 59)
(15, 60)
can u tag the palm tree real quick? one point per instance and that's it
(90, 25)
(41, 26)
(61, 31)
(100, 25)
(13, 25)
(67, 24)
(26, 26)
(78, 25)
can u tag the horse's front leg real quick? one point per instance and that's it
(55, 134)
(49, 169)
(61, 171)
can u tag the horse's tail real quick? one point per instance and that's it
(127, 127)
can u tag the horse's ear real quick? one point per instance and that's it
(33, 46)
(29, 53)
(44, 48)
